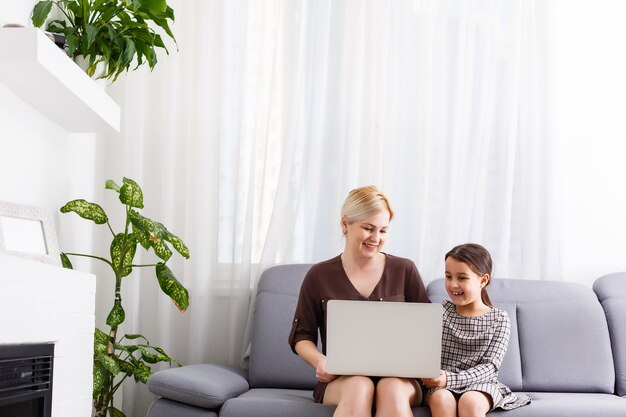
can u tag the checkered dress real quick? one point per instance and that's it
(472, 350)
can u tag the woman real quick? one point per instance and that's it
(361, 272)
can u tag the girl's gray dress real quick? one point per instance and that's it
(472, 350)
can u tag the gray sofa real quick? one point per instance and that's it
(567, 352)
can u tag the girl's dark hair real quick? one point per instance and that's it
(479, 261)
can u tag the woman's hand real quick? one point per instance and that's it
(439, 382)
(321, 374)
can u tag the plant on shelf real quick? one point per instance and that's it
(117, 358)
(109, 32)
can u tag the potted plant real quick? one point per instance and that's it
(117, 357)
(113, 33)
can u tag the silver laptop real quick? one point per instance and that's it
(379, 338)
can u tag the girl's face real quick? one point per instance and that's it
(365, 238)
(464, 285)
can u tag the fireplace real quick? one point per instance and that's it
(26, 380)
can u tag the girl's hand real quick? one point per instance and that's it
(439, 382)
(321, 374)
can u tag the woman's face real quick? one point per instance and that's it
(366, 237)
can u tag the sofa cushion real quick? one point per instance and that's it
(565, 346)
(201, 384)
(167, 408)
(272, 363)
(266, 402)
(611, 291)
(556, 404)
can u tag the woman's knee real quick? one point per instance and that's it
(350, 390)
(398, 391)
(358, 386)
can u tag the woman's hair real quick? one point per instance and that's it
(479, 261)
(364, 202)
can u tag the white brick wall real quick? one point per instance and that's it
(45, 303)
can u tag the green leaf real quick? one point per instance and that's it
(91, 32)
(86, 210)
(155, 230)
(128, 53)
(127, 348)
(154, 233)
(73, 41)
(100, 377)
(99, 349)
(161, 250)
(111, 185)
(40, 12)
(131, 194)
(148, 356)
(142, 237)
(100, 337)
(134, 336)
(127, 244)
(65, 261)
(142, 373)
(114, 412)
(116, 315)
(56, 26)
(126, 367)
(170, 286)
(109, 364)
(178, 244)
(155, 6)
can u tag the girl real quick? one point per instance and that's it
(474, 340)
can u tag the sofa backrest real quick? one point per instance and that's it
(272, 363)
(559, 339)
(611, 291)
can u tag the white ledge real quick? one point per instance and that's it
(42, 75)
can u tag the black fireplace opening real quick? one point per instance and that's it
(26, 380)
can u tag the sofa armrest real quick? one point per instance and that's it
(204, 385)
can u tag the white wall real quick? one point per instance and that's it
(591, 109)
(40, 163)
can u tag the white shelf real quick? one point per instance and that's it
(40, 73)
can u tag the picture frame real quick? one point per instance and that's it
(28, 232)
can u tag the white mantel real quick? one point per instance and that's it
(45, 303)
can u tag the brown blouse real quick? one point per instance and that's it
(327, 280)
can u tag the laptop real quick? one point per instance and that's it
(379, 338)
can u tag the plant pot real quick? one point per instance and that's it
(83, 63)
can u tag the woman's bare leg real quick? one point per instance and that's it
(395, 396)
(353, 396)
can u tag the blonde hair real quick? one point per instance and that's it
(364, 202)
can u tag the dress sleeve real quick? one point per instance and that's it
(415, 291)
(308, 314)
(494, 355)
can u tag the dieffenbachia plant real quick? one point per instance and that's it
(117, 358)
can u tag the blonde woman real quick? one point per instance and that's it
(361, 272)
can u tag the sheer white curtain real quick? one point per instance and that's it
(247, 140)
